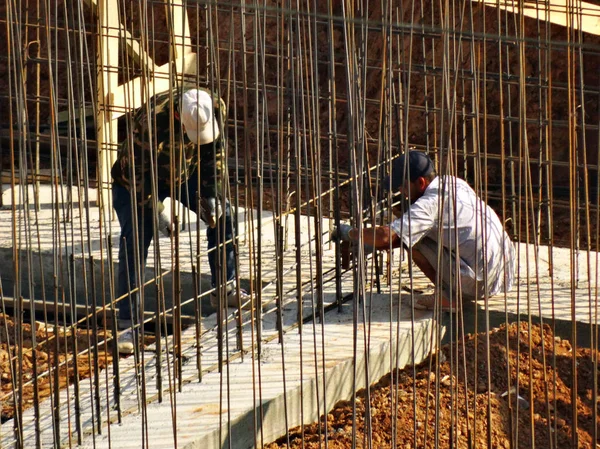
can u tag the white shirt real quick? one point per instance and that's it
(471, 229)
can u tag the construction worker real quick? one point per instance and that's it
(158, 161)
(445, 224)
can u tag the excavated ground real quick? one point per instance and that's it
(52, 349)
(541, 363)
(55, 346)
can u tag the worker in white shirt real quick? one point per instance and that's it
(454, 238)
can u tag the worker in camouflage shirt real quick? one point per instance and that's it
(177, 149)
(174, 157)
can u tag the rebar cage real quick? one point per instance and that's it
(321, 98)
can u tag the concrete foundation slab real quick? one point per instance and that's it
(292, 381)
(254, 399)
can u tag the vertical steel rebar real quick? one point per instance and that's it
(490, 94)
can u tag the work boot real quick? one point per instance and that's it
(232, 299)
(428, 302)
(125, 342)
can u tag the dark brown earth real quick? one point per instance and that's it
(51, 350)
(546, 384)
(548, 71)
(545, 68)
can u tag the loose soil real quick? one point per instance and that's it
(51, 350)
(405, 413)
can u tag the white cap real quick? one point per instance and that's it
(198, 117)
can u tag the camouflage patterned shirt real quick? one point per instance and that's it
(172, 156)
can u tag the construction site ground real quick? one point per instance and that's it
(535, 292)
(464, 406)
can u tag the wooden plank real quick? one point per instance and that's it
(129, 95)
(180, 28)
(108, 82)
(135, 50)
(133, 46)
(582, 16)
(6, 178)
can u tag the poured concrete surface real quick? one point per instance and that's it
(49, 238)
(548, 279)
(257, 397)
(46, 241)
(257, 407)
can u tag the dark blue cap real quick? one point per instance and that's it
(418, 164)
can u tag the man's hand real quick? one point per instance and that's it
(210, 211)
(341, 233)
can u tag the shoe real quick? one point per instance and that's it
(428, 302)
(232, 300)
(125, 342)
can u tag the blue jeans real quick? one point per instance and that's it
(123, 206)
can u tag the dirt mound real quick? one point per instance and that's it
(50, 365)
(451, 401)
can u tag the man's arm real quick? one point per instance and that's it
(419, 219)
(146, 151)
(213, 167)
(380, 237)
(213, 157)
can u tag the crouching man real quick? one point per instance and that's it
(454, 238)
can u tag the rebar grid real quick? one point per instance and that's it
(321, 97)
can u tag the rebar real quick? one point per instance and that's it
(320, 100)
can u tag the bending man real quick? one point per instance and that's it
(154, 164)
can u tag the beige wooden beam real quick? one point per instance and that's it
(133, 47)
(108, 83)
(129, 95)
(136, 52)
(578, 15)
(114, 100)
(180, 29)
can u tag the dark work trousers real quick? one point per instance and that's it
(122, 204)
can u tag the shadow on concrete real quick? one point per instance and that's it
(475, 321)
(245, 432)
(78, 284)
